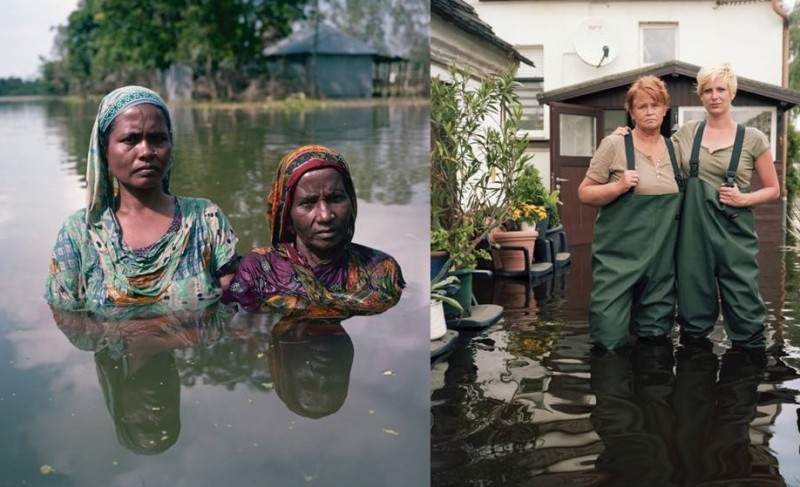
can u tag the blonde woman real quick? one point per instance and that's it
(717, 243)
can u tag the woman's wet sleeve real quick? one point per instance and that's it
(224, 245)
(64, 284)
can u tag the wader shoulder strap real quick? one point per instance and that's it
(730, 174)
(694, 160)
(629, 155)
(675, 169)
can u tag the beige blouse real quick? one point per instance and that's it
(609, 162)
(714, 164)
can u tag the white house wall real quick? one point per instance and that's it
(748, 35)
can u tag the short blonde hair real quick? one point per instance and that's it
(651, 85)
(719, 72)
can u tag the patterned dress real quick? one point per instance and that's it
(277, 278)
(92, 267)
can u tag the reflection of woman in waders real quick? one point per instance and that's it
(633, 181)
(717, 245)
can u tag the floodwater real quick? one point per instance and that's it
(526, 402)
(215, 402)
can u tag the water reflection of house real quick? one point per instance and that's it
(328, 63)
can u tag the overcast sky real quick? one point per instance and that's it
(25, 33)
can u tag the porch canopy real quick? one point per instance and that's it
(582, 114)
(681, 80)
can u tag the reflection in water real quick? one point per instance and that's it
(633, 415)
(136, 366)
(310, 361)
(690, 427)
(143, 399)
(234, 429)
(714, 406)
(143, 358)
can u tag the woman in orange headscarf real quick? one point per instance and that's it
(312, 267)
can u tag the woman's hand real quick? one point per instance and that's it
(596, 194)
(621, 131)
(630, 179)
(731, 196)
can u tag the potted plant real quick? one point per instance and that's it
(439, 295)
(476, 156)
(529, 190)
(551, 202)
(518, 231)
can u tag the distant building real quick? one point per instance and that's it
(328, 63)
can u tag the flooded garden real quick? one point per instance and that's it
(528, 402)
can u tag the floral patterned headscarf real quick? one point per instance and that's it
(100, 185)
(291, 167)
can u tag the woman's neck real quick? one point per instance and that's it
(133, 202)
(315, 258)
(721, 121)
(647, 135)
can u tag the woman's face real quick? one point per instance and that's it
(646, 112)
(320, 213)
(716, 97)
(139, 147)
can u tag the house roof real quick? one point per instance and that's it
(329, 41)
(785, 96)
(464, 16)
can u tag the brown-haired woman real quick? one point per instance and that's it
(634, 180)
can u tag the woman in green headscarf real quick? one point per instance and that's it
(135, 243)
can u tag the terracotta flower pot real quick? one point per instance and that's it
(513, 260)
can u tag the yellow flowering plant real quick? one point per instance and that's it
(525, 213)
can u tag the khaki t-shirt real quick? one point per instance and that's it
(609, 162)
(714, 165)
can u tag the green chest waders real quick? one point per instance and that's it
(633, 263)
(716, 259)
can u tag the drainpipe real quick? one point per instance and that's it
(777, 7)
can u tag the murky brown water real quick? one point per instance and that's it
(221, 406)
(526, 402)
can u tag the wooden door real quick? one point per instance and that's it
(575, 133)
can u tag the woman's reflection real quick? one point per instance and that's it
(687, 428)
(715, 406)
(310, 362)
(633, 414)
(136, 366)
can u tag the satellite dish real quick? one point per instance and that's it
(595, 43)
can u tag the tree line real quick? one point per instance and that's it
(107, 43)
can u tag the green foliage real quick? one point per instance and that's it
(794, 48)
(792, 162)
(528, 188)
(476, 157)
(406, 35)
(440, 290)
(112, 42)
(18, 87)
